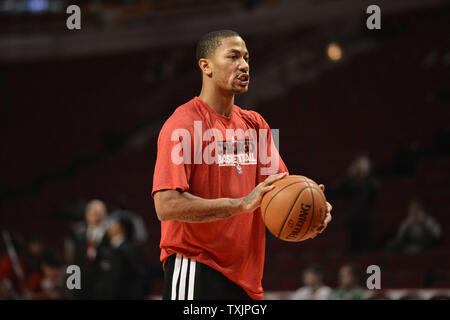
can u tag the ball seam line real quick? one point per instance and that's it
(290, 210)
(312, 211)
(268, 203)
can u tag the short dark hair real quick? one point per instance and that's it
(354, 269)
(127, 225)
(51, 259)
(210, 41)
(316, 269)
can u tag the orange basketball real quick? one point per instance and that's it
(294, 209)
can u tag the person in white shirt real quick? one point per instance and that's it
(314, 287)
(96, 213)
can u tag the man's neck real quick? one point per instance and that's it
(220, 103)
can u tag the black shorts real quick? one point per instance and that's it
(187, 279)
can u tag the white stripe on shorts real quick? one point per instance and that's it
(176, 272)
(182, 289)
(191, 280)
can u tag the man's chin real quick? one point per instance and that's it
(240, 90)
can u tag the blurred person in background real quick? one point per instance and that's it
(52, 283)
(12, 266)
(122, 208)
(7, 291)
(36, 250)
(119, 266)
(87, 242)
(314, 287)
(360, 190)
(417, 232)
(348, 287)
(153, 272)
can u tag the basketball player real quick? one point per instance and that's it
(212, 234)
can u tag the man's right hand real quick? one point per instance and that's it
(253, 200)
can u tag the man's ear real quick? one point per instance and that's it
(205, 66)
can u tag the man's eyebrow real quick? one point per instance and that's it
(238, 51)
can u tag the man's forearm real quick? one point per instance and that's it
(190, 208)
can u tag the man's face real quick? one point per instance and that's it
(114, 229)
(416, 213)
(229, 65)
(51, 272)
(310, 278)
(35, 248)
(345, 277)
(95, 213)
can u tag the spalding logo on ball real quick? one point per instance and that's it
(294, 209)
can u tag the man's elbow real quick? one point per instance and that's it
(162, 212)
(164, 204)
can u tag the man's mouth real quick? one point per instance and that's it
(244, 79)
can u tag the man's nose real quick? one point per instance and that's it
(244, 66)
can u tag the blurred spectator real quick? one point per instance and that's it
(360, 190)
(7, 291)
(35, 253)
(12, 266)
(140, 231)
(417, 232)
(122, 209)
(314, 288)
(349, 287)
(52, 283)
(87, 242)
(120, 271)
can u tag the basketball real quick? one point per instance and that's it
(294, 209)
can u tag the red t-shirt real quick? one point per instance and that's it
(201, 158)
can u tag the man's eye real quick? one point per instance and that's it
(233, 57)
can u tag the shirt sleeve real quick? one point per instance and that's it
(173, 161)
